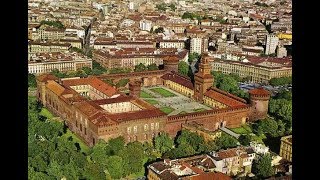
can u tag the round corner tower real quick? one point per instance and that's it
(259, 102)
(171, 63)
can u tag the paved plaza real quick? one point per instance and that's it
(179, 103)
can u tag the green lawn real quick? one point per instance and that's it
(163, 92)
(244, 129)
(199, 109)
(152, 101)
(83, 146)
(166, 109)
(46, 113)
(143, 94)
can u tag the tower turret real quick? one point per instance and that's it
(203, 79)
(259, 101)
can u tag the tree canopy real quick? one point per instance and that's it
(56, 24)
(262, 166)
(280, 81)
(183, 68)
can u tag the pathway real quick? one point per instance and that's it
(228, 131)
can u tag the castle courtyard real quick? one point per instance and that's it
(178, 103)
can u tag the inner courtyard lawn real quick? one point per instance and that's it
(166, 109)
(143, 94)
(163, 92)
(152, 101)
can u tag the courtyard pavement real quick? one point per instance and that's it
(179, 102)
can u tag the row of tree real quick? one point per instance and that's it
(280, 81)
(141, 67)
(189, 143)
(229, 83)
(164, 6)
(56, 24)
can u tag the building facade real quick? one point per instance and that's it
(272, 42)
(286, 148)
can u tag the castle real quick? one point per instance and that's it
(96, 110)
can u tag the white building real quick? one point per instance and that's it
(259, 148)
(271, 44)
(198, 45)
(145, 25)
(281, 52)
(131, 5)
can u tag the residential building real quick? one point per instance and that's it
(271, 44)
(281, 52)
(191, 168)
(40, 63)
(258, 69)
(286, 147)
(259, 148)
(233, 161)
(179, 44)
(198, 45)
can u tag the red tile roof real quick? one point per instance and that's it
(184, 81)
(224, 98)
(210, 176)
(259, 92)
(95, 83)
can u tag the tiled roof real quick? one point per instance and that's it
(46, 77)
(184, 81)
(55, 87)
(259, 91)
(95, 83)
(210, 176)
(223, 98)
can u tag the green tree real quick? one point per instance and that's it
(94, 171)
(32, 81)
(152, 67)
(132, 157)
(87, 71)
(193, 57)
(229, 84)
(55, 169)
(122, 83)
(56, 24)
(173, 7)
(159, 30)
(183, 68)
(163, 143)
(115, 167)
(161, 7)
(280, 81)
(226, 141)
(39, 163)
(284, 95)
(182, 150)
(193, 139)
(140, 67)
(262, 166)
(115, 145)
(99, 153)
(245, 139)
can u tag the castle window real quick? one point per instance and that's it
(135, 129)
(80, 127)
(85, 131)
(146, 127)
(76, 123)
(157, 125)
(152, 126)
(129, 130)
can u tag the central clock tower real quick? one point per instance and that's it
(203, 79)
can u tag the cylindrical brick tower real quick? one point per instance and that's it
(170, 63)
(259, 101)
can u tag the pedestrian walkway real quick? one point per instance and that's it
(228, 131)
